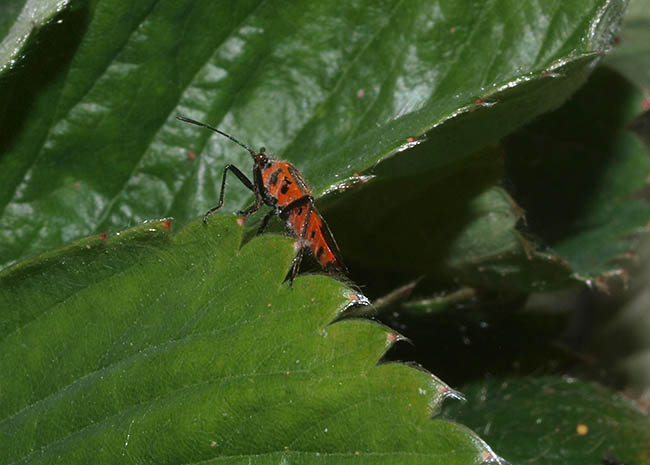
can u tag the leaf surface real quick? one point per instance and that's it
(91, 143)
(150, 348)
(19, 21)
(556, 421)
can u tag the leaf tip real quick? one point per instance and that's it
(479, 102)
(489, 456)
(551, 74)
(392, 337)
(448, 393)
(411, 142)
(354, 299)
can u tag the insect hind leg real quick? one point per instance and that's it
(284, 213)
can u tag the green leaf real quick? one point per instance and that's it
(454, 224)
(555, 421)
(620, 340)
(90, 142)
(632, 56)
(582, 177)
(150, 348)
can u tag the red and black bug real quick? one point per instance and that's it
(279, 184)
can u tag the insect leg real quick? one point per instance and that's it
(307, 199)
(265, 221)
(244, 180)
(295, 265)
(253, 208)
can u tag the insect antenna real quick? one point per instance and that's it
(198, 123)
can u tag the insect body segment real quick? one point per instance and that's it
(280, 185)
(283, 184)
(317, 236)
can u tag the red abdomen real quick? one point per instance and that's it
(318, 238)
(285, 184)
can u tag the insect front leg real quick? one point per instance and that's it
(245, 181)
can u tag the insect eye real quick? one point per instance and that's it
(262, 149)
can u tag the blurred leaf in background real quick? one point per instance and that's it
(556, 420)
(580, 175)
(632, 55)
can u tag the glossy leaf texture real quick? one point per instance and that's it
(552, 421)
(90, 141)
(19, 22)
(150, 348)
